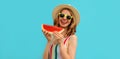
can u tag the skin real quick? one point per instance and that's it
(70, 51)
(63, 21)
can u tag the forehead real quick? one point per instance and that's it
(66, 12)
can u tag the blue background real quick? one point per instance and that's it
(21, 36)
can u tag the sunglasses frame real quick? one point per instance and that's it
(65, 15)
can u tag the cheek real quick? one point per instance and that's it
(59, 18)
(69, 21)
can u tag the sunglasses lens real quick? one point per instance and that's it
(62, 15)
(68, 17)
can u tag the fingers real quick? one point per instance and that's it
(58, 35)
(45, 33)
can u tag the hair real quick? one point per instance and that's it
(71, 29)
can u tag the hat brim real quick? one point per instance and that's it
(60, 7)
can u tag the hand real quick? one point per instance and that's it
(47, 35)
(59, 37)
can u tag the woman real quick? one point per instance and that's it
(63, 45)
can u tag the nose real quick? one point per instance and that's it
(64, 17)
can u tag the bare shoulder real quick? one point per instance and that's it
(74, 36)
(73, 39)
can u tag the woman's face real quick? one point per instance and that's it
(64, 21)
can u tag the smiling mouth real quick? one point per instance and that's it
(64, 21)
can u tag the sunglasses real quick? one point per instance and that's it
(65, 15)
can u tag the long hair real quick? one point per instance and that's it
(71, 29)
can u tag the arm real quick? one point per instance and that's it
(70, 54)
(48, 37)
(45, 55)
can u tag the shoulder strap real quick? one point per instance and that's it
(66, 39)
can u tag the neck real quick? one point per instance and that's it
(64, 32)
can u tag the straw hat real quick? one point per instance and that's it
(60, 7)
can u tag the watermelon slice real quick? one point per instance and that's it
(50, 28)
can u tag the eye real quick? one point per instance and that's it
(69, 17)
(62, 15)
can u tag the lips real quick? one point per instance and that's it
(64, 21)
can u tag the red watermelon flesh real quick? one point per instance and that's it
(50, 28)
